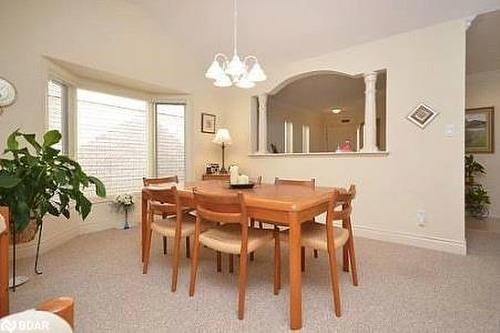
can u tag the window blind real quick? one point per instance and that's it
(170, 153)
(112, 141)
(57, 111)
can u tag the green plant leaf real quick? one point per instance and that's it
(9, 181)
(12, 142)
(31, 138)
(100, 189)
(51, 138)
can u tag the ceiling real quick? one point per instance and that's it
(287, 30)
(483, 43)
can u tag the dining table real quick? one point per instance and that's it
(278, 204)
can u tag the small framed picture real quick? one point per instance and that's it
(422, 115)
(208, 123)
(479, 130)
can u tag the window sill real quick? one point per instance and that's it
(110, 199)
(325, 154)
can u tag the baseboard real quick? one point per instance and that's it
(90, 227)
(428, 242)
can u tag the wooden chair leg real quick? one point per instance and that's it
(261, 226)
(277, 263)
(147, 252)
(345, 258)
(302, 258)
(315, 253)
(188, 248)
(219, 261)
(175, 263)
(231, 263)
(334, 274)
(164, 245)
(242, 285)
(252, 254)
(194, 262)
(352, 257)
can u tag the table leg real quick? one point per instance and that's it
(295, 273)
(144, 216)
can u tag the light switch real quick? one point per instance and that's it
(450, 130)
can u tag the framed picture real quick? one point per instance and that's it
(479, 130)
(422, 115)
(208, 123)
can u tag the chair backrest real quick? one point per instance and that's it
(161, 180)
(345, 199)
(4, 261)
(166, 201)
(224, 208)
(307, 183)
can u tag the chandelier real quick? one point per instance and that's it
(242, 73)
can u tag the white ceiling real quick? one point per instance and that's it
(483, 43)
(287, 30)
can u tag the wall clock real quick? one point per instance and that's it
(7, 94)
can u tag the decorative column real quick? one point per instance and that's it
(263, 124)
(370, 129)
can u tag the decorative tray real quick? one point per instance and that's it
(241, 186)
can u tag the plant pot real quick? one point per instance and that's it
(25, 236)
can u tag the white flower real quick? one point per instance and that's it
(125, 200)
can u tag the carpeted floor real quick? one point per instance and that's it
(402, 289)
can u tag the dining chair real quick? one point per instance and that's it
(176, 226)
(328, 238)
(232, 235)
(164, 209)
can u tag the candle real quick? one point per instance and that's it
(243, 179)
(234, 173)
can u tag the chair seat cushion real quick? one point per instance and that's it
(314, 236)
(227, 238)
(166, 226)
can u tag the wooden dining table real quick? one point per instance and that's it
(286, 205)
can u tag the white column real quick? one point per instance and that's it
(263, 124)
(370, 129)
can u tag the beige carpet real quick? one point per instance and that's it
(402, 289)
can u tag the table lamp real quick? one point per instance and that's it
(223, 138)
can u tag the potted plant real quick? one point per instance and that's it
(124, 202)
(476, 197)
(36, 180)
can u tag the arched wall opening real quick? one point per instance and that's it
(318, 112)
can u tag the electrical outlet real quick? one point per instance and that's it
(421, 218)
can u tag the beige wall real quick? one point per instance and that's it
(423, 169)
(483, 89)
(111, 36)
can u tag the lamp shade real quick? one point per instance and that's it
(222, 137)
(236, 67)
(223, 81)
(245, 83)
(256, 74)
(215, 71)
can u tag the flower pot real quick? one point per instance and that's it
(25, 236)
